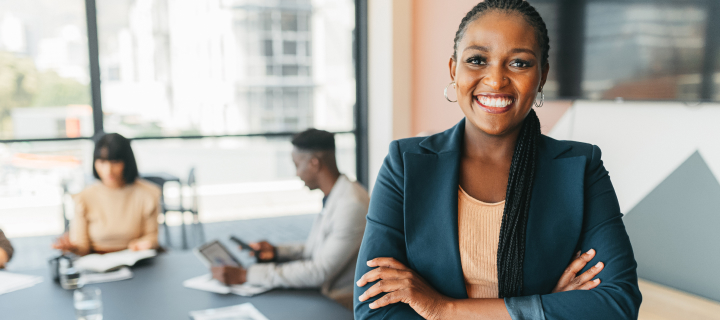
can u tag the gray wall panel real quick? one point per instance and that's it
(675, 230)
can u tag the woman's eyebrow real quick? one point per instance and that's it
(479, 48)
(486, 49)
(520, 50)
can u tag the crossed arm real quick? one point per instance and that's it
(402, 284)
(398, 292)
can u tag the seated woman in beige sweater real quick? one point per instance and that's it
(119, 212)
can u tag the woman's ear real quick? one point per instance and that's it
(452, 64)
(545, 70)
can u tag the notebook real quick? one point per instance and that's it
(10, 282)
(207, 283)
(123, 273)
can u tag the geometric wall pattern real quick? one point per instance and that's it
(664, 160)
(675, 230)
(643, 142)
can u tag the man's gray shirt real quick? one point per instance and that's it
(327, 259)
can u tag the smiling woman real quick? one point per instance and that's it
(489, 218)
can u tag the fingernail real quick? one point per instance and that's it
(361, 297)
(596, 280)
(591, 251)
(598, 265)
(358, 283)
(372, 305)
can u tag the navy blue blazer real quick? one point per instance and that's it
(413, 218)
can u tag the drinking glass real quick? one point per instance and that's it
(88, 303)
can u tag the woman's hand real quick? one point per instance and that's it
(140, 245)
(401, 284)
(63, 243)
(571, 281)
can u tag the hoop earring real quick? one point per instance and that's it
(542, 100)
(446, 90)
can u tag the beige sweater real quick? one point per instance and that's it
(108, 219)
(479, 234)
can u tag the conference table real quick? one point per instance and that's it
(156, 292)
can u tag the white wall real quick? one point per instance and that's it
(389, 77)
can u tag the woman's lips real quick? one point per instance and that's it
(492, 99)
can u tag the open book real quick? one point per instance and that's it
(110, 261)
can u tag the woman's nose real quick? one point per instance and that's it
(495, 78)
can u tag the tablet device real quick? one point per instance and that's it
(215, 253)
(244, 245)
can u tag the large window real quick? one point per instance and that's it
(633, 49)
(178, 68)
(215, 85)
(44, 78)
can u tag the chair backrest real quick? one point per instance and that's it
(68, 206)
(191, 177)
(192, 183)
(160, 182)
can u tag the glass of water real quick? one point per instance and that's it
(88, 303)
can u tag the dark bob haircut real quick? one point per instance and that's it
(115, 147)
(314, 140)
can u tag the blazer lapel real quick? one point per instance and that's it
(555, 217)
(431, 223)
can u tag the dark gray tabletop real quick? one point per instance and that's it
(156, 292)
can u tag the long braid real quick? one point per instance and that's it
(511, 247)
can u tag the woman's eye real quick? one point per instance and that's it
(476, 60)
(520, 64)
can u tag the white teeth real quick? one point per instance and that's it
(495, 102)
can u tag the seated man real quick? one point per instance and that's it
(327, 259)
(6, 250)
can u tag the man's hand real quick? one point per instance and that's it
(63, 243)
(3, 258)
(229, 275)
(266, 251)
(571, 281)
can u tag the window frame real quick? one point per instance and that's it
(360, 112)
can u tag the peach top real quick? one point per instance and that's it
(109, 219)
(479, 234)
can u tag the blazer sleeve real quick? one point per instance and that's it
(384, 236)
(617, 296)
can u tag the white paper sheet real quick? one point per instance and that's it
(121, 274)
(10, 282)
(245, 311)
(104, 262)
(207, 283)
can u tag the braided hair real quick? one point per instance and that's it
(511, 247)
